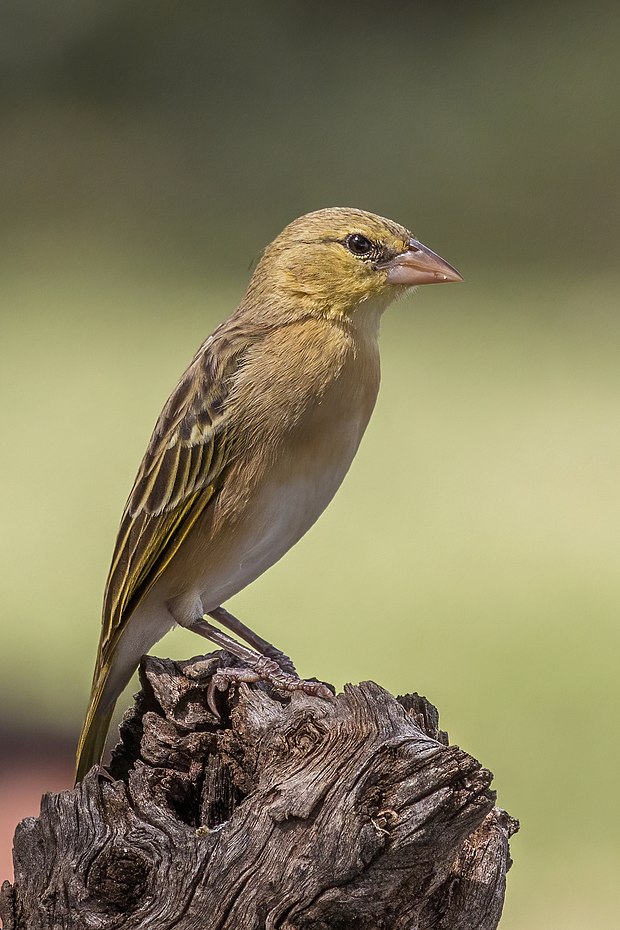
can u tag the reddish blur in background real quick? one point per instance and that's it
(32, 763)
(149, 151)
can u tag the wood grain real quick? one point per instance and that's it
(292, 813)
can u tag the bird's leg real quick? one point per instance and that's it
(259, 668)
(257, 642)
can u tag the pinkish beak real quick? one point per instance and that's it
(419, 265)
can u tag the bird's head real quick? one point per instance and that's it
(335, 260)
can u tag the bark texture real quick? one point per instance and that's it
(293, 813)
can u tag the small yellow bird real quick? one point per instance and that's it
(252, 445)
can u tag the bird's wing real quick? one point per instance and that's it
(179, 475)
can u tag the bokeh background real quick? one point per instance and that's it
(148, 151)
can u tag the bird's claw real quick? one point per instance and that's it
(265, 669)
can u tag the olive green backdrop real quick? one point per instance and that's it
(149, 150)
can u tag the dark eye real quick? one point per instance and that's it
(358, 244)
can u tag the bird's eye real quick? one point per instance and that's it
(359, 244)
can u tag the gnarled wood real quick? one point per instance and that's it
(290, 813)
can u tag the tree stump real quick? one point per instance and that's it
(287, 813)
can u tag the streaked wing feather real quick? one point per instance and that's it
(178, 478)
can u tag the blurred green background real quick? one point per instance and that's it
(148, 152)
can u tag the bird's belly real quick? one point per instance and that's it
(284, 508)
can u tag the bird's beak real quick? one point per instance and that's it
(418, 265)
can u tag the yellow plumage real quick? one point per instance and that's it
(254, 440)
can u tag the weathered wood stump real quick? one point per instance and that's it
(290, 813)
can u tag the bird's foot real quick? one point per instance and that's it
(266, 669)
(268, 664)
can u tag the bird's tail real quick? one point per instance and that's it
(117, 660)
(96, 725)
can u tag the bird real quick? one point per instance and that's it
(251, 446)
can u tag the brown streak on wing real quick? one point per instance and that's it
(178, 478)
(149, 544)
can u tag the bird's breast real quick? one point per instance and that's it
(296, 435)
(287, 486)
(299, 486)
